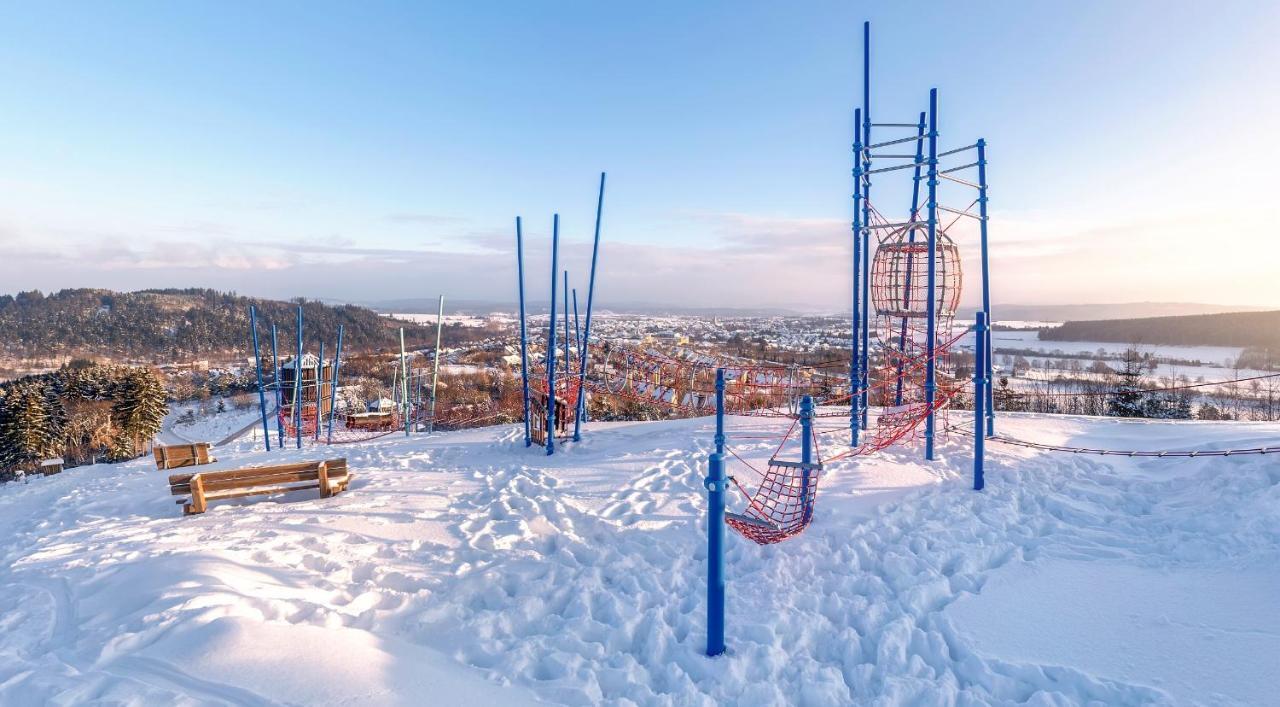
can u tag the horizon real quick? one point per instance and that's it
(364, 156)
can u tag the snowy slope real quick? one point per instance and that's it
(467, 568)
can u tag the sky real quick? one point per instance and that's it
(373, 151)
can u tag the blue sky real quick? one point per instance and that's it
(378, 151)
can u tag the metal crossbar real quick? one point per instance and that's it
(957, 169)
(958, 149)
(959, 212)
(958, 180)
(913, 138)
(899, 166)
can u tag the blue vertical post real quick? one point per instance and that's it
(297, 386)
(715, 484)
(257, 364)
(930, 376)
(404, 383)
(551, 338)
(319, 391)
(806, 452)
(586, 331)
(275, 362)
(911, 238)
(333, 387)
(866, 223)
(986, 283)
(983, 331)
(524, 339)
(855, 360)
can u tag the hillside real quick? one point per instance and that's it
(174, 325)
(1118, 310)
(466, 567)
(1246, 329)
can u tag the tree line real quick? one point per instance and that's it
(81, 414)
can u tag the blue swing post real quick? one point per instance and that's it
(930, 377)
(577, 325)
(715, 483)
(566, 323)
(982, 330)
(586, 329)
(551, 339)
(435, 367)
(855, 359)
(524, 339)
(257, 364)
(986, 285)
(333, 387)
(297, 386)
(806, 452)
(275, 363)
(319, 391)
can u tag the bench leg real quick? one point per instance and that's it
(198, 504)
(323, 472)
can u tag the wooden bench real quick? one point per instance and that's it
(175, 456)
(330, 476)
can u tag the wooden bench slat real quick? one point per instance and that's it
(265, 479)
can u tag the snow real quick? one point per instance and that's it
(465, 567)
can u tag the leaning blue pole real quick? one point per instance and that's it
(577, 324)
(333, 387)
(551, 338)
(586, 330)
(982, 330)
(911, 238)
(855, 359)
(866, 223)
(257, 364)
(275, 362)
(715, 484)
(524, 339)
(297, 386)
(404, 384)
(986, 283)
(930, 376)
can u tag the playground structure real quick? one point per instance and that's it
(561, 396)
(311, 403)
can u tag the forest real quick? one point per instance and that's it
(177, 325)
(80, 413)
(1253, 330)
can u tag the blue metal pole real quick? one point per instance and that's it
(983, 331)
(297, 386)
(911, 238)
(566, 323)
(524, 339)
(866, 223)
(986, 283)
(715, 484)
(275, 362)
(333, 388)
(930, 380)
(806, 452)
(551, 338)
(319, 404)
(586, 330)
(257, 364)
(855, 360)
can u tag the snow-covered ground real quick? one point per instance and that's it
(467, 568)
(213, 428)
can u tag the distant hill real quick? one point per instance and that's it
(177, 325)
(1121, 310)
(1246, 329)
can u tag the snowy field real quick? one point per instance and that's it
(465, 568)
